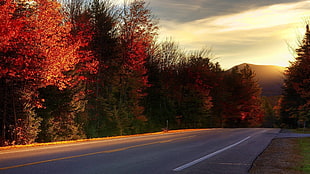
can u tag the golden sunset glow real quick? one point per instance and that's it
(265, 17)
(260, 35)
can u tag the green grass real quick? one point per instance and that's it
(302, 130)
(305, 152)
(304, 147)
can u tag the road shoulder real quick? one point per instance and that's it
(283, 155)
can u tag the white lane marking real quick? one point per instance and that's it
(209, 156)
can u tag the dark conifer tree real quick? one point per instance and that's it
(295, 106)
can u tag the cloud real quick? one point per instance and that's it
(265, 17)
(255, 35)
(186, 11)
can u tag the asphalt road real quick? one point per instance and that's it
(216, 151)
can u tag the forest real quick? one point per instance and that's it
(75, 69)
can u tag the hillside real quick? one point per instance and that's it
(270, 78)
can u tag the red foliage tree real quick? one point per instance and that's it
(36, 50)
(137, 34)
(242, 106)
(37, 44)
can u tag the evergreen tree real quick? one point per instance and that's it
(59, 115)
(296, 96)
(270, 116)
(104, 85)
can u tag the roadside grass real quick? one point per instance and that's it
(302, 130)
(304, 145)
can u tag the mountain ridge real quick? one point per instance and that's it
(269, 77)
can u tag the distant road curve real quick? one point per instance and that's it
(198, 151)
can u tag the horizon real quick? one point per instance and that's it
(255, 65)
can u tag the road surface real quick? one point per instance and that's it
(202, 151)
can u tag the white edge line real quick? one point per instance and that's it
(209, 156)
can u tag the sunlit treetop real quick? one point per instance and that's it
(37, 44)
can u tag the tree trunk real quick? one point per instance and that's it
(4, 116)
(15, 117)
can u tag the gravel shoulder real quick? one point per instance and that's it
(282, 156)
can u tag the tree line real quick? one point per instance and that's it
(80, 69)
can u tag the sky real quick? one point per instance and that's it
(260, 32)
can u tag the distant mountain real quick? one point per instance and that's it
(270, 78)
